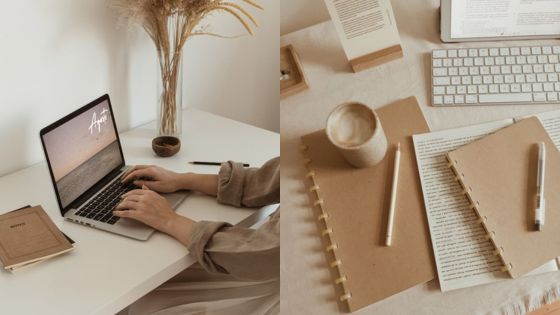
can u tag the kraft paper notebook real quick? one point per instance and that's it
(498, 175)
(28, 236)
(351, 206)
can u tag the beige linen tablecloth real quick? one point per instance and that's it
(306, 287)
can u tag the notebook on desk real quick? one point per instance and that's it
(502, 189)
(463, 255)
(351, 206)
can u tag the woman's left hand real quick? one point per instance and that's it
(152, 209)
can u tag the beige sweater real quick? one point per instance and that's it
(246, 254)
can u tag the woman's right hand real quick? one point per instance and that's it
(154, 177)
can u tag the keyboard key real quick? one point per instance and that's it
(472, 99)
(473, 52)
(548, 87)
(461, 89)
(552, 96)
(448, 99)
(452, 53)
(515, 88)
(483, 52)
(515, 51)
(463, 53)
(525, 51)
(439, 90)
(537, 87)
(483, 89)
(505, 98)
(113, 220)
(504, 51)
(536, 50)
(556, 49)
(509, 78)
(471, 89)
(493, 88)
(438, 99)
(494, 52)
(526, 87)
(547, 50)
(459, 99)
(439, 54)
(539, 97)
(439, 72)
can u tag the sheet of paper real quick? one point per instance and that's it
(501, 18)
(363, 26)
(464, 257)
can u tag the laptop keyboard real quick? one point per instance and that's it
(101, 207)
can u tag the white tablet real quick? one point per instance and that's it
(491, 20)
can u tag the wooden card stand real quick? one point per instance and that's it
(295, 80)
(368, 31)
(377, 58)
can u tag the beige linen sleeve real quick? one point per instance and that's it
(248, 254)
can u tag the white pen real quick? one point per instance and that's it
(539, 211)
(393, 196)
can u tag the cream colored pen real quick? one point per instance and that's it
(393, 196)
(539, 210)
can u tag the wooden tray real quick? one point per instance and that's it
(289, 63)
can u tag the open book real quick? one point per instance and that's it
(464, 256)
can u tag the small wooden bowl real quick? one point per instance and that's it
(166, 146)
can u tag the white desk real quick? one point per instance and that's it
(306, 286)
(107, 272)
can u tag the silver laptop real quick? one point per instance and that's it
(86, 163)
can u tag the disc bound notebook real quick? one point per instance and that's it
(351, 206)
(498, 173)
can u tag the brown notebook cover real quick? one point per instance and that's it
(351, 205)
(29, 235)
(499, 174)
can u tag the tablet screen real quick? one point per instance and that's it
(504, 18)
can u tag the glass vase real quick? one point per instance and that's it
(170, 92)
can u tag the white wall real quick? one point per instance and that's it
(298, 14)
(57, 55)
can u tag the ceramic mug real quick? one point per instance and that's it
(356, 131)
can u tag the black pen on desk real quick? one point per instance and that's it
(213, 163)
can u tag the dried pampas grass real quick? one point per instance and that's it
(170, 23)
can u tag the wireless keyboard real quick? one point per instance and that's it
(492, 76)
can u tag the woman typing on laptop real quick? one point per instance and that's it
(222, 250)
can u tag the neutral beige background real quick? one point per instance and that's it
(298, 14)
(306, 285)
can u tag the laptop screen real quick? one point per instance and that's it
(82, 151)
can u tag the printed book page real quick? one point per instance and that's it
(502, 18)
(363, 26)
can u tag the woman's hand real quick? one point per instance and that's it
(150, 208)
(154, 177)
